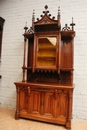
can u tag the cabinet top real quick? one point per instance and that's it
(45, 85)
(47, 24)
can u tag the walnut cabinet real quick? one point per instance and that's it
(46, 90)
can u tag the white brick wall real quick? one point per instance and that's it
(16, 13)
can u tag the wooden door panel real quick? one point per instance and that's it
(66, 55)
(49, 104)
(34, 102)
(23, 100)
(61, 105)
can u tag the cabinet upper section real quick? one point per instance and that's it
(50, 47)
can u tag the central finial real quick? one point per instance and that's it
(46, 11)
(46, 7)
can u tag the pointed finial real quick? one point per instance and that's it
(72, 24)
(58, 17)
(46, 7)
(25, 28)
(58, 12)
(46, 11)
(33, 17)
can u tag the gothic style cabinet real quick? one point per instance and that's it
(46, 90)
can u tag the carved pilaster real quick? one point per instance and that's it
(17, 103)
(68, 124)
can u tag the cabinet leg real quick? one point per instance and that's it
(16, 115)
(68, 125)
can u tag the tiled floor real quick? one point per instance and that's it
(8, 122)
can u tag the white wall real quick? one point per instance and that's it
(16, 13)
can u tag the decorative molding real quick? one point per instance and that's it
(66, 28)
(31, 30)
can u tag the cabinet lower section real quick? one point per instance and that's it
(44, 102)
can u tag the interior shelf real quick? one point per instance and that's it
(46, 57)
(48, 48)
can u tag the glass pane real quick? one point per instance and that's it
(46, 51)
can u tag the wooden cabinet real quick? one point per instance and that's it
(46, 90)
(44, 102)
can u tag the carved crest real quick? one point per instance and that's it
(46, 17)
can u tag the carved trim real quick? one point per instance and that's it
(46, 17)
(31, 30)
(66, 28)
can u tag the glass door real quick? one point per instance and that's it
(46, 52)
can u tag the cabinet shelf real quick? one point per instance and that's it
(46, 61)
(47, 48)
(46, 57)
(46, 68)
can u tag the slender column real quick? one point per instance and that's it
(59, 53)
(24, 60)
(72, 42)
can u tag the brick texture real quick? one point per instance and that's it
(17, 13)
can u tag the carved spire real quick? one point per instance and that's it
(66, 28)
(58, 16)
(72, 24)
(46, 11)
(33, 18)
(25, 28)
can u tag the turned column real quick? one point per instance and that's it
(24, 60)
